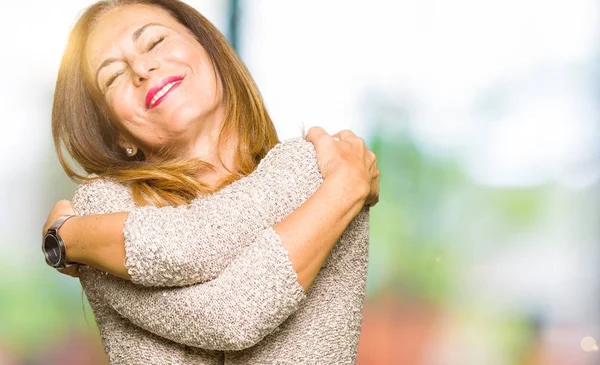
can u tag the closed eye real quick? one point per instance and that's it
(155, 43)
(113, 78)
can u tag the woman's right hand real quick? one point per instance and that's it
(346, 155)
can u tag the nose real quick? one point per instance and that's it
(142, 69)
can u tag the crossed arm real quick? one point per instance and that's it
(256, 276)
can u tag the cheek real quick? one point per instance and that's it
(127, 114)
(189, 54)
(183, 50)
(120, 102)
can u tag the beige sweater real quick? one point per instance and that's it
(213, 284)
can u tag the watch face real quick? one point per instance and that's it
(52, 249)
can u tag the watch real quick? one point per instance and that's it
(53, 245)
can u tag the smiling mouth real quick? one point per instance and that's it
(157, 94)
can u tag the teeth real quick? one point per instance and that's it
(162, 92)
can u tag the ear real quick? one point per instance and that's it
(129, 148)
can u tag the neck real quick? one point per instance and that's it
(204, 146)
(221, 157)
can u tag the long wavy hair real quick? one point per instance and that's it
(83, 128)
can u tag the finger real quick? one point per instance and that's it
(375, 169)
(63, 204)
(374, 196)
(344, 134)
(65, 207)
(374, 201)
(71, 271)
(314, 133)
(372, 160)
(362, 143)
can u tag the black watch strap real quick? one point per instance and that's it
(53, 231)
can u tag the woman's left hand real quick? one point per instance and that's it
(63, 207)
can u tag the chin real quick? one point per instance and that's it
(183, 118)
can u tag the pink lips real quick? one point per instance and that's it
(157, 88)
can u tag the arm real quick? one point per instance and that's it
(180, 246)
(247, 301)
(235, 311)
(199, 241)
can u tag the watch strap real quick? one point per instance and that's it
(59, 222)
(53, 230)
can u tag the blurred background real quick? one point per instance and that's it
(484, 115)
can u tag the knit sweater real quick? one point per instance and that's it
(213, 284)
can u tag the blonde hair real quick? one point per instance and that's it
(81, 123)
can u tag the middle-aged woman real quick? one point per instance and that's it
(259, 251)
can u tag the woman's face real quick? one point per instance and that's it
(156, 78)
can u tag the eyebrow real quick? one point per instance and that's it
(134, 37)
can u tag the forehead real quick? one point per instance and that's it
(117, 25)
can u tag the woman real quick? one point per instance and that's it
(155, 80)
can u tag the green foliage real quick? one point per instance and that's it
(431, 217)
(37, 306)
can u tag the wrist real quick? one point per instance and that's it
(66, 232)
(348, 195)
(349, 183)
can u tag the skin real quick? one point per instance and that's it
(187, 123)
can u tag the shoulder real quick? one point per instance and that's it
(97, 195)
(295, 147)
(295, 153)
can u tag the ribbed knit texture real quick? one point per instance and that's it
(213, 284)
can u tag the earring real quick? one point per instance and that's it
(129, 151)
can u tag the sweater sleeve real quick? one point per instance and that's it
(252, 296)
(256, 290)
(180, 246)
